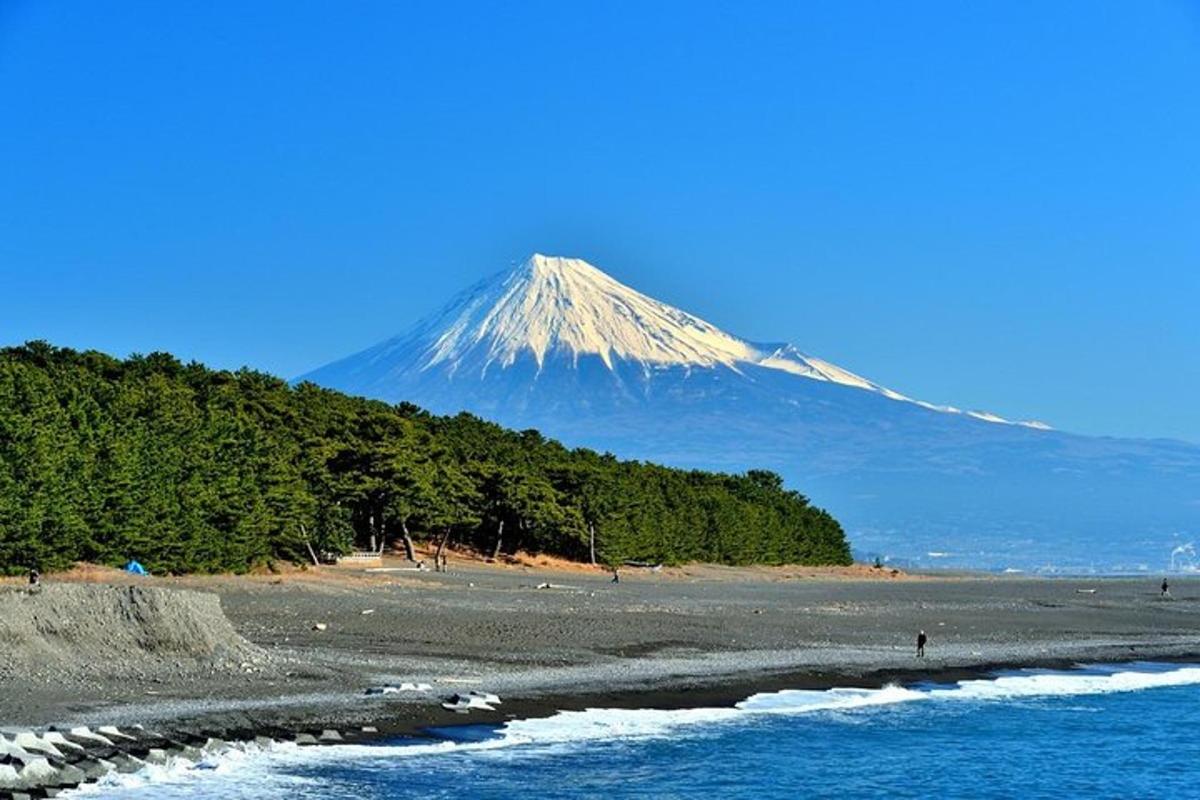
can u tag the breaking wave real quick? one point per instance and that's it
(242, 766)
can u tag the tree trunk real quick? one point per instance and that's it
(408, 542)
(371, 526)
(499, 540)
(437, 556)
(308, 544)
(592, 541)
(382, 536)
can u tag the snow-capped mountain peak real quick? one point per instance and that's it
(550, 304)
(557, 346)
(565, 308)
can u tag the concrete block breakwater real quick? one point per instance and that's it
(39, 764)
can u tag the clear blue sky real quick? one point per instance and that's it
(995, 205)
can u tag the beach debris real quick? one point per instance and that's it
(133, 567)
(487, 697)
(471, 701)
(369, 729)
(1085, 591)
(366, 611)
(463, 706)
(404, 687)
(320, 626)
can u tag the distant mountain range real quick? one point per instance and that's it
(558, 345)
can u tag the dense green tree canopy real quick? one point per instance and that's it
(190, 469)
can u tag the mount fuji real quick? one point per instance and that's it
(558, 345)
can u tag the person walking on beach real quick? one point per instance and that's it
(921, 639)
(1166, 588)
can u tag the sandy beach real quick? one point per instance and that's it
(547, 638)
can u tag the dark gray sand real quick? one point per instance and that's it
(693, 636)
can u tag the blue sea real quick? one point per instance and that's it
(1120, 731)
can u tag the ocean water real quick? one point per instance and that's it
(1121, 731)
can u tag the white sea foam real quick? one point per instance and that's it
(242, 765)
(798, 701)
(178, 777)
(1029, 684)
(1061, 684)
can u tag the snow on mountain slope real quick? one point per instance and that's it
(552, 306)
(566, 304)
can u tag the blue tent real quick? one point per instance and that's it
(134, 568)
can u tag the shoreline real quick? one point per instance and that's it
(286, 717)
(292, 657)
(135, 748)
(708, 695)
